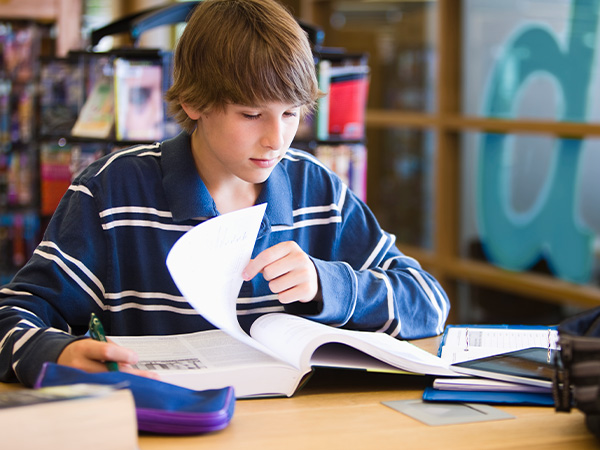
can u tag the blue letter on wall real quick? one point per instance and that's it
(550, 228)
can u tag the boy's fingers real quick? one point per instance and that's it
(263, 259)
(114, 352)
(90, 355)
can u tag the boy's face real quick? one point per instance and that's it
(245, 142)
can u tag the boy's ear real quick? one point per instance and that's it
(192, 113)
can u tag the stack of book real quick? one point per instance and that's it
(497, 364)
(69, 417)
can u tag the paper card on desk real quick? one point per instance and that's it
(435, 414)
(206, 264)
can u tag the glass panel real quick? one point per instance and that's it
(399, 38)
(482, 305)
(400, 194)
(531, 59)
(531, 203)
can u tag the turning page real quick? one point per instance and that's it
(206, 264)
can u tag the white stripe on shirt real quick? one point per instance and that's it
(136, 210)
(252, 300)
(375, 252)
(260, 310)
(315, 209)
(7, 291)
(131, 150)
(151, 308)
(75, 261)
(80, 188)
(430, 296)
(146, 224)
(72, 274)
(307, 223)
(390, 303)
(151, 295)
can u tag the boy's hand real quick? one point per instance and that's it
(91, 355)
(290, 272)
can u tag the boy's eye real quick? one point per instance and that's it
(251, 116)
(290, 114)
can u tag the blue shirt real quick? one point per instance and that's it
(105, 248)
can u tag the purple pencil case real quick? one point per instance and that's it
(161, 408)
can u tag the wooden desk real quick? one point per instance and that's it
(342, 410)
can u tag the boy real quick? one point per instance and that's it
(243, 76)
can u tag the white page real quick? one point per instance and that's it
(206, 263)
(297, 339)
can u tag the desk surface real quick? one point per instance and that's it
(341, 409)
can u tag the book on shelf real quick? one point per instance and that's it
(55, 175)
(139, 104)
(466, 343)
(349, 162)
(341, 113)
(348, 91)
(61, 96)
(321, 121)
(5, 115)
(280, 350)
(97, 116)
(68, 417)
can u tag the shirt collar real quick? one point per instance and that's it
(189, 198)
(277, 194)
(186, 193)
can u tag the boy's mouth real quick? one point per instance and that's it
(264, 163)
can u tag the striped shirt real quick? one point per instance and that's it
(106, 245)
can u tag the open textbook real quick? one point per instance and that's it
(214, 359)
(281, 348)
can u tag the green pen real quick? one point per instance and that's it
(97, 333)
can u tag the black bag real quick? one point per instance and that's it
(578, 383)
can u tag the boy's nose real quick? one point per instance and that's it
(273, 136)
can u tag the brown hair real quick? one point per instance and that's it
(246, 52)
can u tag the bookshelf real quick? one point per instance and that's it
(65, 14)
(64, 82)
(29, 31)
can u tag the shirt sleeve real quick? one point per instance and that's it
(48, 302)
(368, 284)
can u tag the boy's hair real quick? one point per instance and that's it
(246, 52)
